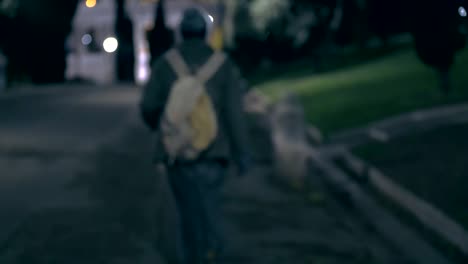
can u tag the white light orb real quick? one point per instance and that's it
(462, 11)
(110, 44)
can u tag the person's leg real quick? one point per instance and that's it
(211, 178)
(189, 205)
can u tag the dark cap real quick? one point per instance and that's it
(193, 23)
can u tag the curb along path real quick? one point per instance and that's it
(428, 216)
(413, 122)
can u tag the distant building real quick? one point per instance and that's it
(86, 58)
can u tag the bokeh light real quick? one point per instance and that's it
(462, 11)
(110, 44)
(86, 39)
(90, 3)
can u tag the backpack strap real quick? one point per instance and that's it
(210, 68)
(177, 63)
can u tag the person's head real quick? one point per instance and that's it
(194, 24)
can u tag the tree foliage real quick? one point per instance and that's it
(268, 15)
(8, 7)
(44, 23)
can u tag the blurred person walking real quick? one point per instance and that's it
(193, 102)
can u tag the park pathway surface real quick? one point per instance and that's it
(112, 206)
(271, 224)
(46, 135)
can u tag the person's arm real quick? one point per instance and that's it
(154, 95)
(235, 117)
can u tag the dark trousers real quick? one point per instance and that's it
(196, 187)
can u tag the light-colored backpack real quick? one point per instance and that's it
(189, 124)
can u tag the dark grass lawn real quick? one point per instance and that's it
(433, 165)
(357, 95)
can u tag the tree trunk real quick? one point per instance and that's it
(126, 51)
(160, 38)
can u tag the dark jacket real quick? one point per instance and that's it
(225, 89)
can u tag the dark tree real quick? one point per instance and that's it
(435, 26)
(5, 24)
(387, 17)
(34, 40)
(126, 52)
(160, 38)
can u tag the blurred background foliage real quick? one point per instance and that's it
(263, 33)
(285, 30)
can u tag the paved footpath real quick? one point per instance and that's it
(270, 224)
(127, 215)
(265, 223)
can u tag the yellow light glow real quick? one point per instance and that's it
(90, 3)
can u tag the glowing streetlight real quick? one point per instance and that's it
(110, 44)
(90, 3)
(462, 11)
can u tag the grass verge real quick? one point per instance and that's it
(432, 165)
(359, 94)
